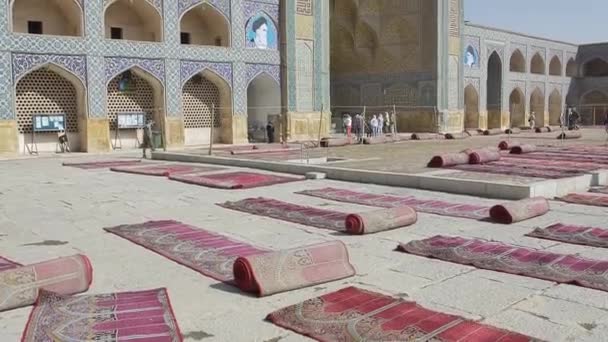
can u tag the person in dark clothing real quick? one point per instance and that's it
(270, 132)
(147, 143)
(606, 122)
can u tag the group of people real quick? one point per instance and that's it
(379, 124)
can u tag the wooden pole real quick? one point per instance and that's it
(212, 126)
(394, 119)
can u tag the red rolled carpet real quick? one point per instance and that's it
(570, 135)
(353, 314)
(497, 256)
(542, 129)
(493, 131)
(379, 140)
(143, 316)
(233, 180)
(449, 159)
(513, 131)
(523, 149)
(20, 285)
(427, 136)
(281, 271)
(338, 142)
(164, 170)
(102, 164)
(578, 235)
(593, 199)
(456, 136)
(483, 156)
(506, 145)
(380, 220)
(517, 211)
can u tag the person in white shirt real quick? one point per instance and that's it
(348, 123)
(380, 124)
(374, 123)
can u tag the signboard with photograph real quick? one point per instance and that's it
(48, 122)
(131, 120)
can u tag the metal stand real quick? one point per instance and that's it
(212, 128)
(117, 144)
(33, 147)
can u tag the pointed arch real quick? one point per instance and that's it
(537, 105)
(494, 91)
(138, 20)
(517, 63)
(263, 105)
(537, 64)
(555, 66)
(471, 107)
(555, 107)
(205, 24)
(594, 106)
(517, 108)
(58, 17)
(596, 67)
(571, 68)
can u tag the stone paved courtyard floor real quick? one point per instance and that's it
(47, 211)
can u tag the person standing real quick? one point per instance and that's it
(374, 124)
(394, 123)
(380, 124)
(147, 141)
(360, 122)
(387, 122)
(532, 120)
(270, 132)
(348, 123)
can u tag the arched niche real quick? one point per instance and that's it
(53, 17)
(263, 105)
(517, 63)
(517, 108)
(206, 103)
(555, 66)
(494, 91)
(135, 19)
(537, 105)
(261, 32)
(135, 91)
(594, 106)
(471, 107)
(555, 107)
(571, 68)
(51, 89)
(596, 67)
(205, 25)
(537, 64)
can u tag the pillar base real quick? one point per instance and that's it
(9, 137)
(453, 122)
(303, 126)
(96, 135)
(234, 130)
(174, 132)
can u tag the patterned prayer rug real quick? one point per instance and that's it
(164, 170)
(523, 171)
(6, 264)
(560, 164)
(20, 285)
(234, 180)
(549, 166)
(475, 212)
(286, 270)
(569, 157)
(308, 216)
(144, 316)
(353, 314)
(517, 211)
(578, 235)
(103, 164)
(209, 253)
(594, 199)
(496, 256)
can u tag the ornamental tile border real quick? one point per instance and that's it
(24, 63)
(184, 6)
(117, 65)
(190, 68)
(254, 70)
(157, 4)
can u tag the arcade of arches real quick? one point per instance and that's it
(494, 91)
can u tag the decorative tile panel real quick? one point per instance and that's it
(250, 8)
(157, 4)
(97, 86)
(24, 63)
(173, 90)
(472, 81)
(6, 99)
(117, 65)
(191, 68)
(221, 5)
(304, 7)
(253, 70)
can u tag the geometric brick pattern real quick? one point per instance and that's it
(197, 100)
(139, 100)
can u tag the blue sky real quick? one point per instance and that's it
(574, 21)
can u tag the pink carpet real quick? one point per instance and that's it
(566, 156)
(233, 180)
(482, 156)
(493, 131)
(578, 235)
(517, 211)
(164, 170)
(600, 190)
(208, 253)
(506, 145)
(103, 164)
(369, 222)
(449, 159)
(389, 201)
(20, 285)
(523, 171)
(6, 264)
(496, 256)
(428, 136)
(308, 216)
(559, 164)
(286, 270)
(523, 149)
(353, 314)
(143, 316)
(593, 199)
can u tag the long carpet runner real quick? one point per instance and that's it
(308, 216)
(496, 256)
(600, 190)
(444, 208)
(209, 253)
(286, 270)
(103, 164)
(522, 171)
(354, 314)
(20, 285)
(573, 157)
(594, 199)
(6, 264)
(144, 316)
(164, 170)
(234, 180)
(585, 166)
(578, 235)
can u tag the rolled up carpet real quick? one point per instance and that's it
(525, 128)
(456, 136)
(483, 156)
(542, 129)
(380, 220)
(449, 159)
(493, 131)
(376, 140)
(281, 271)
(64, 276)
(523, 149)
(336, 142)
(570, 135)
(517, 211)
(427, 136)
(506, 145)
(473, 132)
(513, 130)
